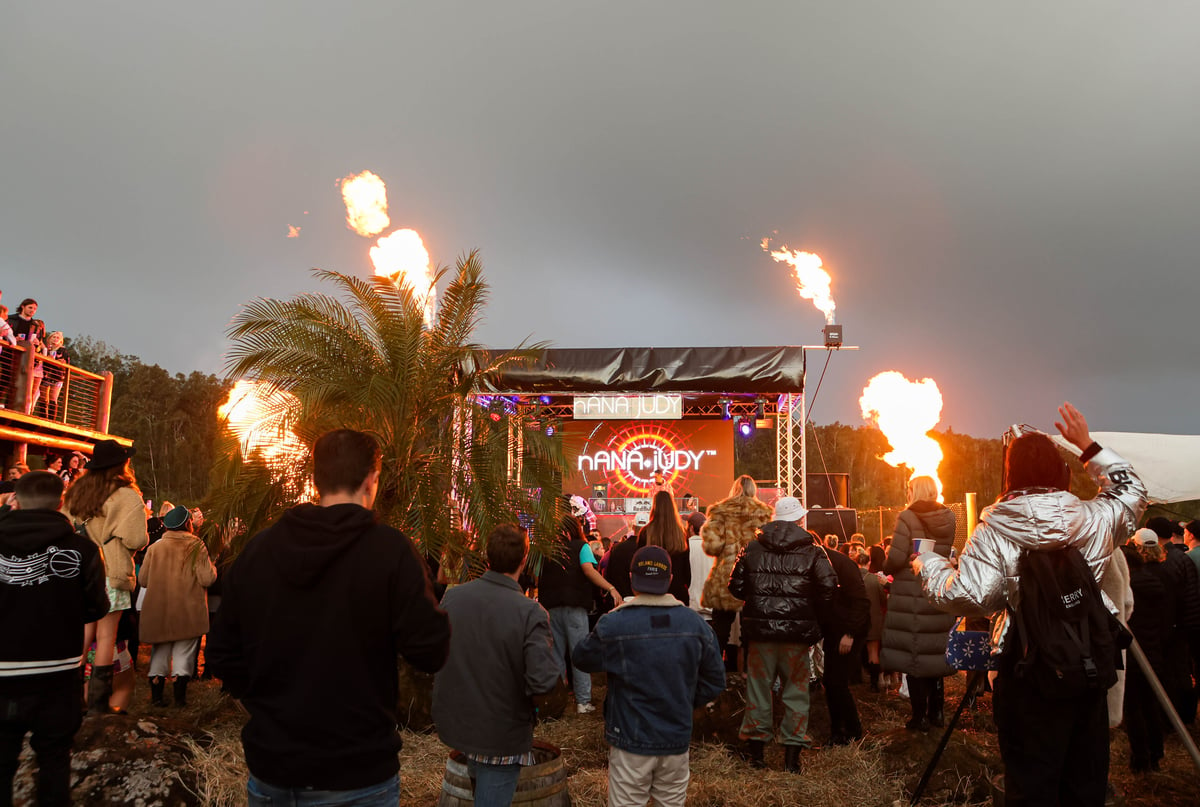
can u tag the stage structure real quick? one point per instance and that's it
(661, 409)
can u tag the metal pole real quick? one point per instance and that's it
(1165, 700)
(804, 428)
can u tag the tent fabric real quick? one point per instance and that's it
(1169, 464)
(729, 370)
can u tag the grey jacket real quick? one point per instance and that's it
(985, 583)
(500, 656)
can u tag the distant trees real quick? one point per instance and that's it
(172, 419)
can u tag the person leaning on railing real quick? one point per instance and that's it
(53, 373)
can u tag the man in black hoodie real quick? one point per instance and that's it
(51, 584)
(314, 612)
(844, 624)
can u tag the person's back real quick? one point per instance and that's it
(662, 661)
(314, 613)
(51, 584)
(500, 654)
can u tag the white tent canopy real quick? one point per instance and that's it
(1169, 464)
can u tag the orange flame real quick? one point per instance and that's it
(906, 411)
(293, 231)
(402, 257)
(365, 196)
(812, 281)
(258, 416)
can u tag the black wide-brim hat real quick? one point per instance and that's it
(108, 453)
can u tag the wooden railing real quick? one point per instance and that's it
(82, 400)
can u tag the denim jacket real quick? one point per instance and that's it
(662, 662)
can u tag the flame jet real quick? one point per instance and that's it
(906, 411)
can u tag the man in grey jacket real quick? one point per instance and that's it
(1055, 751)
(501, 655)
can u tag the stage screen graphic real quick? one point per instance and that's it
(617, 459)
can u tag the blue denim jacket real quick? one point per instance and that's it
(662, 662)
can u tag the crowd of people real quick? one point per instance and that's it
(22, 328)
(316, 609)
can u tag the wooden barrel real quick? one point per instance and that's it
(1113, 799)
(543, 784)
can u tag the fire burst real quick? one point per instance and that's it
(365, 196)
(259, 416)
(812, 281)
(401, 256)
(906, 411)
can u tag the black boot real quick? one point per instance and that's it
(100, 689)
(874, 670)
(180, 686)
(754, 753)
(937, 703)
(157, 686)
(791, 758)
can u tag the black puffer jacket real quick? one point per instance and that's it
(786, 581)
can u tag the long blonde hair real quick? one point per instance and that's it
(664, 528)
(743, 486)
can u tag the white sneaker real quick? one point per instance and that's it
(584, 708)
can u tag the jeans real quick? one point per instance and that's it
(53, 718)
(570, 627)
(494, 785)
(384, 794)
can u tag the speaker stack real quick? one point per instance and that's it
(829, 506)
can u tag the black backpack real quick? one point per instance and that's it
(1069, 642)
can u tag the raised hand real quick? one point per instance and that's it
(1073, 427)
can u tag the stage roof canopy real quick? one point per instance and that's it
(730, 370)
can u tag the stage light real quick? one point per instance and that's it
(745, 428)
(544, 399)
(550, 430)
(495, 416)
(724, 402)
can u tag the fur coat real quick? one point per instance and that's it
(730, 527)
(175, 573)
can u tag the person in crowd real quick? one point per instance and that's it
(37, 337)
(1185, 590)
(21, 324)
(664, 529)
(175, 573)
(107, 501)
(74, 469)
(1151, 623)
(1191, 539)
(48, 571)
(315, 611)
(53, 374)
(878, 556)
(844, 625)
(730, 526)
(501, 655)
(693, 519)
(1115, 584)
(662, 662)
(785, 580)
(1051, 748)
(6, 331)
(914, 631)
(620, 556)
(701, 567)
(873, 588)
(660, 485)
(7, 490)
(565, 591)
(831, 542)
(6, 337)
(54, 463)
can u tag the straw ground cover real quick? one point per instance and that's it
(880, 770)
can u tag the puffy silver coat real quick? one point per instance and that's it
(985, 583)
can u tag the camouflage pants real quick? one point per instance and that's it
(766, 662)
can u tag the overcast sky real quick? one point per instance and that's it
(1006, 194)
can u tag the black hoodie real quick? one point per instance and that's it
(314, 612)
(51, 584)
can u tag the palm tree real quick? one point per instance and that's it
(367, 361)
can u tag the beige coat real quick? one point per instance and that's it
(730, 526)
(1115, 584)
(175, 573)
(119, 531)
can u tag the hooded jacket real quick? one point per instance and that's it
(986, 581)
(51, 584)
(314, 613)
(786, 582)
(729, 529)
(914, 631)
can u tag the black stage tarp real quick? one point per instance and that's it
(732, 370)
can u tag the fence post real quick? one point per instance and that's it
(103, 402)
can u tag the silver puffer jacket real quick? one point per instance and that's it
(985, 583)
